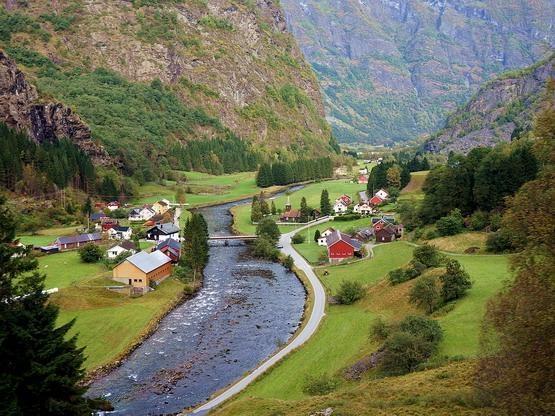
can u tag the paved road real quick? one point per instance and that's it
(318, 312)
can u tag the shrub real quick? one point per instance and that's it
(397, 276)
(268, 229)
(425, 294)
(415, 269)
(479, 220)
(455, 281)
(347, 217)
(379, 330)
(266, 249)
(349, 292)
(317, 236)
(319, 385)
(451, 224)
(403, 352)
(426, 328)
(428, 255)
(288, 262)
(430, 234)
(90, 253)
(495, 221)
(499, 242)
(298, 239)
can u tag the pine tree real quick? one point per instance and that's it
(264, 208)
(325, 204)
(256, 211)
(273, 208)
(305, 212)
(317, 235)
(41, 367)
(195, 245)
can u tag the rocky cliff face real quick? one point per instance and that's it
(234, 60)
(393, 69)
(503, 109)
(44, 122)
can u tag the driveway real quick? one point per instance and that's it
(318, 312)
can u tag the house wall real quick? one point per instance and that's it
(125, 271)
(161, 273)
(340, 250)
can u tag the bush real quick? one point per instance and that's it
(347, 217)
(397, 276)
(451, 224)
(499, 242)
(455, 280)
(379, 330)
(349, 292)
(415, 269)
(479, 220)
(428, 255)
(298, 239)
(90, 253)
(265, 249)
(495, 221)
(268, 229)
(288, 262)
(430, 234)
(425, 294)
(403, 352)
(183, 273)
(421, 326)
(319, 385)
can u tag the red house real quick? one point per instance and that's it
(375, 201)
(171, 248)
(341, 246)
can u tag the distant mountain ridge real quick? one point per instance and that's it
(503, 109)
(391, 70)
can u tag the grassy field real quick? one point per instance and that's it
(47, 236)
(312, 194)
(205, 188)
(107, 323)
(460, 242)
(413, 191)
(66, 269)
(343, 338)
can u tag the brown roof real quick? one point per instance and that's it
(292, 213)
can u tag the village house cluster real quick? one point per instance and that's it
(365, 206)
(137, 269)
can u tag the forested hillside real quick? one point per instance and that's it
(502, 110)
(149, 78)
(393, 69)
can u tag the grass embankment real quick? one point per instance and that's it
(461, 242)
(311, 192)
(343, 338)
(413, 190)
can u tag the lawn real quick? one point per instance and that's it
(47, 236)
(462, 325)
(312, 194)
(107, 323)
(66, 269)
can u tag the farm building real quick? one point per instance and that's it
(143, 269)
(341, 246)
(76, 241)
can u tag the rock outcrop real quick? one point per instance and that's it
(393, 69)
(20, 108)
(501, 110)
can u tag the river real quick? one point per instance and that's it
(245, 311)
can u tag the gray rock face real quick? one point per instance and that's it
(393, 69)
(500, 110)
(44, 122)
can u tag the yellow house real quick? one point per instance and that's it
(161, 207)
(140, 269)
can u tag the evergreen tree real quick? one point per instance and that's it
(455, 281)
(256, 211)
(195, 245)
(273, 208)
(305, 212)
(268, 229)
(87, 207)
(264, 208)
(41, 368)
(325, 204)
(317, 235)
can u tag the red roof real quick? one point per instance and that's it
(375, 200)
(292, 213)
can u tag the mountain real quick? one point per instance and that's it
(393, 69)
(501, 110)
(148, 78)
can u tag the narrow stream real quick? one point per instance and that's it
(246, 309)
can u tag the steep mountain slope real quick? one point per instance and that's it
(392, 69)
(149, 75)
(501, 110)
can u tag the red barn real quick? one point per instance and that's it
(341, 246)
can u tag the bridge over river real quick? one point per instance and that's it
(232, 237)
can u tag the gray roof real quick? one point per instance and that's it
(167, 228)
(363, 196)
(148, 262)
(170, 242)
(82, 238)
(338, 235)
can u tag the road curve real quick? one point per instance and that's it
(318, 312)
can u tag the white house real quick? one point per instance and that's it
(382, 194)
(112, 206)
(363, 171)
(124, 246)
(340, 207)
(322, 240)
(120, 233)
(141, 214)
(363, 209)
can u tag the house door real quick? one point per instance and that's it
(130, 281)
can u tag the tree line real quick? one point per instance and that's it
(28, 166)
(284, 173)
(394, 175)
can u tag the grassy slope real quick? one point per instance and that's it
(108, 323)
(413, 190)
(47, 236)
(312, 194)
(343, 338)
(66, 269)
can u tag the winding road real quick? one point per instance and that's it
(318, 312)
